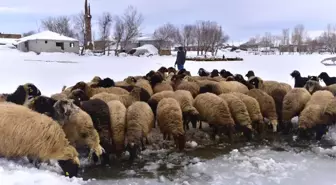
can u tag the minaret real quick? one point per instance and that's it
(88, 33)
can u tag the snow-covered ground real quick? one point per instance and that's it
(247, 165)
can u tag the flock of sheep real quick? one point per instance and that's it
(111, 117)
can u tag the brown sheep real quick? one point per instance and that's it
(169, 118)
(118, 124)
(239, 113)
(127, 100)
(312, 86)
(139, 122)
(233, 86)
(179, 84)
(146, 85)
(24, 132)
(210, 86)
(267, 106)
(293, 103)
(89, 91)
(59, 96)
(190, 114)
(254, 111)
(215, 111)
(81, 122)
(163, 86)
(314, 116)
(155, 99)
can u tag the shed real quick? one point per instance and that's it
(48, 41)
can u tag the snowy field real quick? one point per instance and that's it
(251, 164)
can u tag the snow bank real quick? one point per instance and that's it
(149, 48)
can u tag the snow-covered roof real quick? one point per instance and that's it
(144, 38)
(47, 35)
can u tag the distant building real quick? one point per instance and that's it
(10, 36)
(48, 41)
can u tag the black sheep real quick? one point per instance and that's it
(100, 115)
(22, 94)
(240, 78)
(171, 70)
(249, 74)
(203, 72)
(106, 82)
(314, 78)
(299, 81)
(214, 73)
(224, 73)
(327, 79)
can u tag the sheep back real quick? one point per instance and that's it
(192, 87)
(163, 86)
(294, 102)
(155, 99)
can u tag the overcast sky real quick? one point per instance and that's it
(240, 18)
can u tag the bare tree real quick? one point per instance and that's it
(328, 38)
(105, 23)
(285, 37)
(132, 22)
(165, 35)
(186, 35)
(118, 32)
(61, 25)
(298, 36)
(28, 33)
(79, 29)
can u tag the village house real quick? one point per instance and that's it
(48, 41)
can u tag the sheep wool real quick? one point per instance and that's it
(170, 121)
(233, 86)
(146, 85)
(59, 96)
(139, 122)
(293, 103)
(163, 86)
(24, 132)
(118, 124)
(267, 106)
(155, 99)
(215, 111)
(313, 113)
(190, 113)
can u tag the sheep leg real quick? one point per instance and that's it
(320, 131)
(147, 141)
(200, 125)
(215, 131)
(142, 145)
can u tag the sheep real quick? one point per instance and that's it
(100, 115)
(240, 78)
(24, 132)
(44, 105)
(232, 86)
(127, 100)
(299, 81)
(139, 122)
(203, 72)
(327, 79)
(267, 106)
(215, 111)
(293, 103)
(154, 100)
(313, 86)
(118, 124)
(163, 86)
(89, 91)
(254, 111)
(315, 78)
(218, 79)
(214, 73)
(190, 113)
(59, 96)
(77, 96)
(239, 113)
(146, 85)
(179, 84)
(78, 126)
(225, 74)
(104, 83)
(314, 116)
(170, 121)
(210, 86)
(164, 71)
(22, 94)
(249, 74)
(171, 70)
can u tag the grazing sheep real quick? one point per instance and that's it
(313, 116)
(139, 122)
(254, 111)
(169, 118)
(313, 86)
(299, 81)
(78, 96)
(225, 74)
(179, 84)
(118, 125)
(210, 86)
(327, 79)
(190, 114)
(267, 106)
(105, 83)
(156, 98)
(215, 111)
(293, 103)
(203, 72)
(163, 86)
(37, 136)
(44, 105)
(232, 86)
(127, 100)
(240, 78)
(22, 94)
(89, 91)
(81, 122)
(100, 115)
(239, 113)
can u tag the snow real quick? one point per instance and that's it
(47, 35)
(248, 165)
(148, 48)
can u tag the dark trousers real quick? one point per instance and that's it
(180, 66)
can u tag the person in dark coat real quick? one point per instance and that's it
(180, 58)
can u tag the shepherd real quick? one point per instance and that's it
(180, 58)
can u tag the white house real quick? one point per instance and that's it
(48, 41)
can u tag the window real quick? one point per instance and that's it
(60, 44)
(46, 42)
(72, 44)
